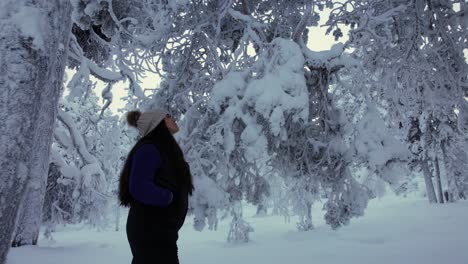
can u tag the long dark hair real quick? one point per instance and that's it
(167, 145)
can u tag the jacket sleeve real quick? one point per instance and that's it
(145, 162)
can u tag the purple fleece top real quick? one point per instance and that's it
(146, 161)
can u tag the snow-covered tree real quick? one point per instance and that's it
(88, 151)
(110, 40)
(413, 64)
(258, 107)
(33, 44)
(247, 88)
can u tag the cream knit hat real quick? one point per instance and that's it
(145, 122)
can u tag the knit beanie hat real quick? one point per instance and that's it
(146, 121)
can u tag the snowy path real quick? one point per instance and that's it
(393, 231)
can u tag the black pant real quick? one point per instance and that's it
(149, 242)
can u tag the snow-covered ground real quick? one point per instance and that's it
(393, 231)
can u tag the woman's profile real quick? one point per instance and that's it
(155, 183)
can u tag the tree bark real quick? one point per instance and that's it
(51, 197)
(30, 86)
(117, 217)
(428, 180)
(239, 229)
(439, 182)
(261, 210)
(307, 225)
(452, 188)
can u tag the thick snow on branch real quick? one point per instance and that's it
(246, 18)
(98, 72)
(32, 23)
(280, 90)
(329, 59)
(283, 87)
(68, 171)
(375, 142)
(76, 137)
(383, 154)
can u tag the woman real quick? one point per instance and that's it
(155, 183)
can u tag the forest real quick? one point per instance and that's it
(266, 122)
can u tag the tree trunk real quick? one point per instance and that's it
(261, 210)
(428, 180)
(48, 219)
(30, 217)
(117, 216)
(439, 182)
(452, 188)
(239, 229)
(32, 74)
(306, 223)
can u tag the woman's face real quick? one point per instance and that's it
(171, 124)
